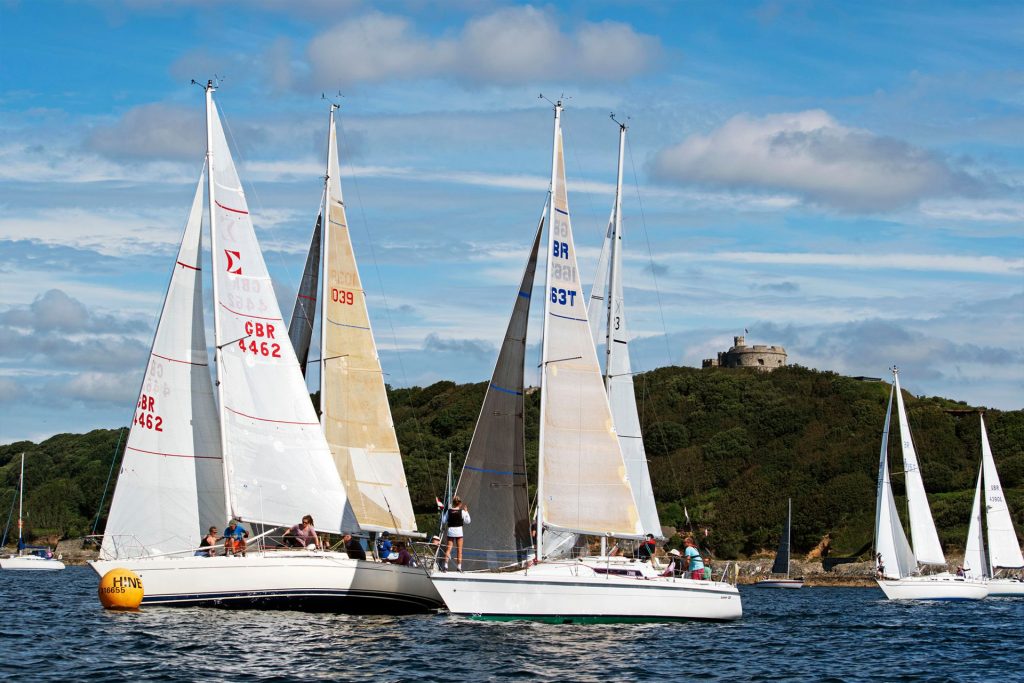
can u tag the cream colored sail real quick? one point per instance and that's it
(355, 412)
(171, 487)
(279, 466)
(583, 483)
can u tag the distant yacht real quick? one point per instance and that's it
(29, 557)
(781, 564)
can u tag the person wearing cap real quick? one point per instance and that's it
(675, 565)
(353, 548)
(693, 556)
(234, 539)
(647, 548)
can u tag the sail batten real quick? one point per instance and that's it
(356, 416)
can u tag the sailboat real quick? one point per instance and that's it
(257, 454)
(897, 562)
(583, 486)
(782, 558)
(28, 557)
(1003, 550)
(355, 413)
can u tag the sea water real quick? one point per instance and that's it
(52, 627)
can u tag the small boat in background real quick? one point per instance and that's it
(781, 565)
(29, 557)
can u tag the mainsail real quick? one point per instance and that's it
(278, 464)
(975, 563)
(923, 535)
(171, 487)
(493, 481)
(781, 564)
(583, 485)
(890, 539)
(1003, 549)
(300, 325)
(353, 398)
(618, 369)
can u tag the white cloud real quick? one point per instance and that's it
(811, 154)
(152, 130)
(510, 46)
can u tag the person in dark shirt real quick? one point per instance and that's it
(353, 547)
(404, 558)
(209, 540)
(647, 548)
(457, 515)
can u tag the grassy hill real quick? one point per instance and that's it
(729, 446)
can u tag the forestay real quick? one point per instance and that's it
(923, 535)
(171, 488)
(493, 480)
(278, 464)
(1003, 548)
(300, 325)
(353, 399)
(890, 539)
(583, 481)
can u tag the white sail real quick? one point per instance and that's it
(923, 536)
(583, 485)
(890, 540)
(974, 553)
(597, 305)
(353, 399)
(171, 488)
(279, 466)
(1003, 548)
(618, 369)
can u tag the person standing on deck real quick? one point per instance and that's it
(457, 515)
(693, 555)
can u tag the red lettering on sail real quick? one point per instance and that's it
(234, 262)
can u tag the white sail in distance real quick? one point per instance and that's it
(353, 398)
(890, 539)
(583, 485)
(171, 488)
(278, 464)
(923, 536)
(975, 564)
(1003, 548)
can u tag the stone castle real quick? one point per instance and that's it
(765, 358)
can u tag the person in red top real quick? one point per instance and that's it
(647, 548)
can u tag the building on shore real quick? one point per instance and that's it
(765, 358)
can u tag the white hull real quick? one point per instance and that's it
(312, 580)
(780, 583)
(30, 563)
(578, 591)
(933, 587)
(1005, 588)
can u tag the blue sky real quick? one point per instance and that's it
(843, 179)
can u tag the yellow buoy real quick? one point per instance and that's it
(120, 589)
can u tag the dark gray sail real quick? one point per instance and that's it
(781, 565)
(493, 481)
(300, 327)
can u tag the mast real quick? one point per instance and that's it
(325, 212)
(614, 276)
(544, 341)
(218, 345)
(21, 496)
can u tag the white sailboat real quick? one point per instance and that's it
(257, 455)
(782, 559)
(583, 486)
(28, 558)
(897, 562)
(1003, 550)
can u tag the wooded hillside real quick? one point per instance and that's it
(728, 445)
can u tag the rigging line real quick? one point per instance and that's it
(106, 486)
(387, 308)
(650, 252)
